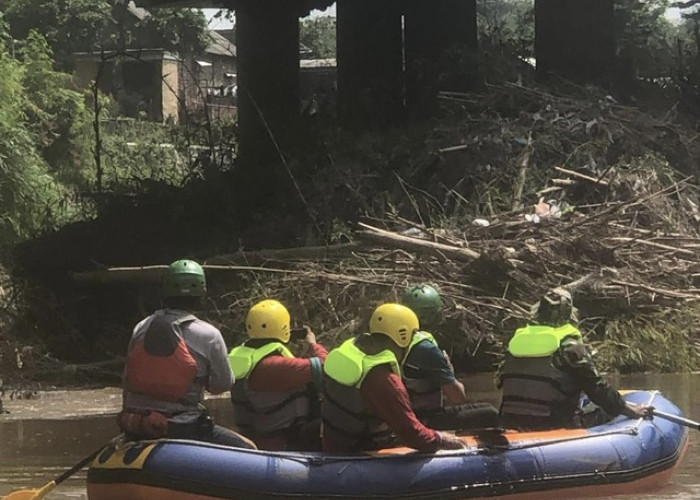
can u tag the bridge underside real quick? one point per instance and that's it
(393, 57)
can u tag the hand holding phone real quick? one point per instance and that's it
(297, 334)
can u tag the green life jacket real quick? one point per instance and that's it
(260, 413)
(344, 411)
(533, 389)
(426, 394)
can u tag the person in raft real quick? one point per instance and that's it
(429, 375)
(546, 368)
(173, 357)
(366, 405)
(276, 394)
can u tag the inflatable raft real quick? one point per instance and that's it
(622, 456)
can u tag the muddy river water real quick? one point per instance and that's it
(40, 438)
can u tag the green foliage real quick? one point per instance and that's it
(138, 152)
(319, 34)
(506, 30)
(645, 38)
(183, 31)
(72, 26)
(665, 342)
(30, 198)
(508, 24)
(68, 25)
(57, 114)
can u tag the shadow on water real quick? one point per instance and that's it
(43, 437)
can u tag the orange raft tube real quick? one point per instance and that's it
(622, 456)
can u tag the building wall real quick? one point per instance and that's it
(85, 72)
(170, 87)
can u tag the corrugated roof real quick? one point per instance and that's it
(220, 45)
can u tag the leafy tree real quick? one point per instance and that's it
(30, 198)
(506, 30)
(58, 116)
(645, 38)
(319, 34)
(509, 24)
(72, 26)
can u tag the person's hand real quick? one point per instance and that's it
(449, 361)
(633, 410)
(451, 442)
(310, 338)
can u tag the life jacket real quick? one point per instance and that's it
(344, 411)
(532, 387)
(160, 365)
(260, 413)
(426, 395)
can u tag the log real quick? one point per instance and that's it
(413, 244)
(153, 274)
(284, 254)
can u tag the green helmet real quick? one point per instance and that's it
(425, 301)
(184, 278)
(556, 308)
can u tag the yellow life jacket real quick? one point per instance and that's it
(532, 387)
(349, 366)
(535, 341)
(261, 413)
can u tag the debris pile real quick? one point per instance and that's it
(522, 192)
(505, 195)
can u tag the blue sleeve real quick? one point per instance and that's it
(427, 361)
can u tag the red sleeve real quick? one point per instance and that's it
(280, 374)
(319, 351)
(385, 392)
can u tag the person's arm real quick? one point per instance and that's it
(385, 392)
(428, 361)
(573, 358)
(454, 389)
(317, 349)
(454, 392)
(280, 374)
(221, 377)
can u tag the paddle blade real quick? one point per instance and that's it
(35, 494)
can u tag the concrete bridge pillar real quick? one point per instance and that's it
(440, 48)
(267, 46)
(370, 61)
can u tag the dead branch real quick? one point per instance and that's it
(522, 174)
(581, 176)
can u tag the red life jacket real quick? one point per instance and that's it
(160, 365)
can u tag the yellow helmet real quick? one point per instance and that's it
(268, 319)
(396, 321)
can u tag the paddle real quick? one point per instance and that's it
(677, 419)
(39, 493)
